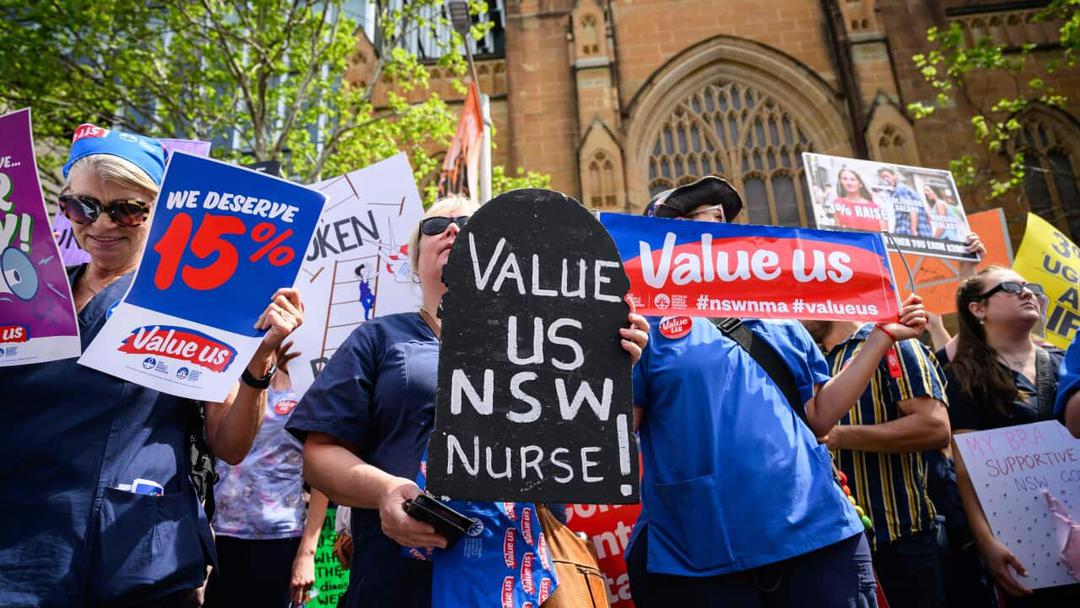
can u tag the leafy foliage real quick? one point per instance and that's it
(952, 65)
(262, 79)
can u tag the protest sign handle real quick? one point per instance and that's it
(907, 269)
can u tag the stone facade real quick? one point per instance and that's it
(620, 98)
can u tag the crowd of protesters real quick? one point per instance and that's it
(785, 463)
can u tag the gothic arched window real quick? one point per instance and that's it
(1051, 167)
(601, 181)
(738, 133)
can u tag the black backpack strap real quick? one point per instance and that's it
(1045, 384)
(766, 356)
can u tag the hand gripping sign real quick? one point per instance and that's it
(533, 402)
(1010, 468)
(37, 315)
(222, 241)
(704, 269)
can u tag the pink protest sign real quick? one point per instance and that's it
(37, 314)
(1010, 468)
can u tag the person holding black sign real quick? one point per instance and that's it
(739, 503)
(367, 418)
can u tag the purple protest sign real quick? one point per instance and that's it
(70, 250)
(37, 313)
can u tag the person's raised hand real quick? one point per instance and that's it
(284, 354)
(281, 317)
(974, 245)
(912, 321)
(399, 525)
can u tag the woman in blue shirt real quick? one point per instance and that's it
(73, 530)
(367, 419)
(739, 505)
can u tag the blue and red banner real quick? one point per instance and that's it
(764, 272)
(222, 241)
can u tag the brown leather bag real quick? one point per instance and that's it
(581, 583)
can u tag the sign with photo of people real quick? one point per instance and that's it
(919, 208)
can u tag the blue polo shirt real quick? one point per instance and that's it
(733, 478)
(69, 435)
(377, 395)
(1069, 378)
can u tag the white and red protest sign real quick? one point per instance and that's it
(1010, 468)
(710, 269)
(609, 528)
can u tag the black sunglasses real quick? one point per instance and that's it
(1015, 288)
(86, 209)
(437, 225)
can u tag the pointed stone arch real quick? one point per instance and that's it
(739, 109)
(890, 136)
(1049, 139)
(603, 184)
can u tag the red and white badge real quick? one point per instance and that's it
(674, 328)
(892, 359)
(284, 406)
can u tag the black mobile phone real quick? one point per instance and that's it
(446, 521)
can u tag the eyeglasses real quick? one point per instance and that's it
(1015, 288)
(86, 209)
(715, 213)
(433, 226)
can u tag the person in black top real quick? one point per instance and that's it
(1000, 377)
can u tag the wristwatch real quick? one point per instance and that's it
(259, 383)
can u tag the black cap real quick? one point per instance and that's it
(709, 190)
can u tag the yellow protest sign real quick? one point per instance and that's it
(1047, 257)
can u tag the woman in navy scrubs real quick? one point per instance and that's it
(75, 527)
(368, 416)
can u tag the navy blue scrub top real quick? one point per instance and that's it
(377, 395)
(70, 435)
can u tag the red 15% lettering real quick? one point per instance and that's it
(209, 240)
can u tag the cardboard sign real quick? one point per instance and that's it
(357, 265)
(222, 241)
(919, 207)
(70, 250)
(609, 528)
(937, 279)
(1049, 258)
(1009, 468)
(331, 580)
(37, 313)
(534, 400)
(708, 269)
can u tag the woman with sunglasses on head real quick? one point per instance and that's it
(99, 506)
(1000, 377)
(367, 418)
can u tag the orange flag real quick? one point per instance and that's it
(461, 167)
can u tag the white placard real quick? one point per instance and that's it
(1009, 468)
(357, 265)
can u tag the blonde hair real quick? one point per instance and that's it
(116, 170)
(441, 206)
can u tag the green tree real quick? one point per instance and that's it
(953, 63)
(266, 76)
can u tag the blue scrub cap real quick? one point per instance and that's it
(143, 152)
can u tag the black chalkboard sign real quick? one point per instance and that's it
(534, 397)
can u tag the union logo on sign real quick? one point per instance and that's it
(662, 301)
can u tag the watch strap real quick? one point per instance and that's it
(258, 383)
